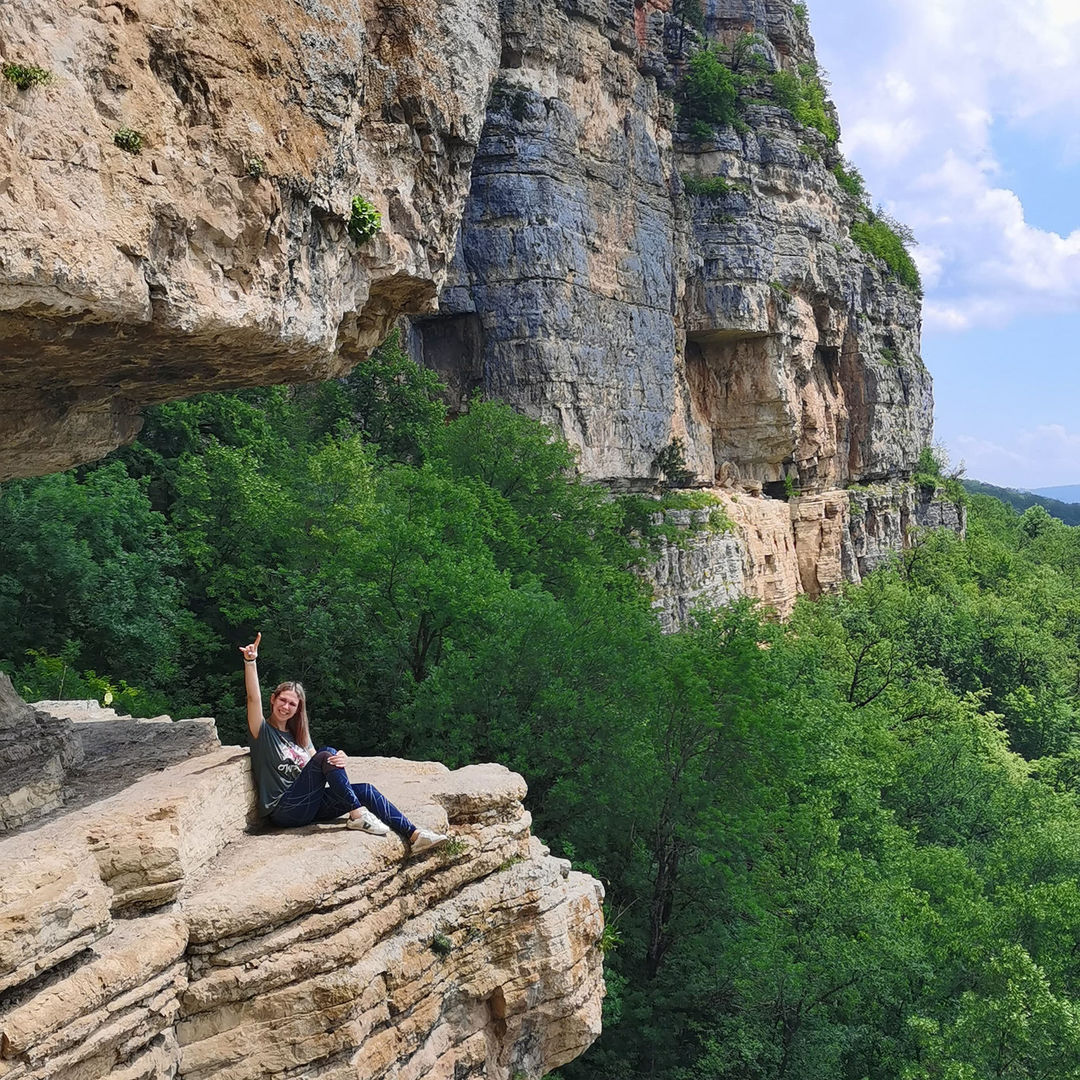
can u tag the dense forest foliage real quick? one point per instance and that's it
(841, 848)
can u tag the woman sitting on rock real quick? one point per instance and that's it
(298, 785)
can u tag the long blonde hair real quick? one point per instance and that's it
(297, 724)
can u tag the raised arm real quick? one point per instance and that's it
(251, 685)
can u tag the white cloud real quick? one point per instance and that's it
(944, 317)
(1037, 457)
(930, 261)
(920, 101)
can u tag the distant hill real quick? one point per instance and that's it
(1069, 512)
(1069, 493)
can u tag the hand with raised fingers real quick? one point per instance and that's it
(251, 651)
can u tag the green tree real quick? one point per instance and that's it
(87, 569)
(708, 92)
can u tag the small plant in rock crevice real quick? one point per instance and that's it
(708, 93)
(25, 76)
(933, 470)
(364, 220)
(129, 140)
(715, 187)
(885, 238)
(700, 131)
(512, 99)
(850, 180)
(441, 945)
(610, 936)
(610, 939)
(802, 93)
(256, 168)
(689, 13)
(670, 462)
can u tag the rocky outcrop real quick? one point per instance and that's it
(606, 268)
(775, 551)
(36, 752)
(588, 287)
(591, 289)
(632, 283)
(218, 255)
(700, 566)
(81, 752)
(801, 353)
(153, 934)
(567, 276)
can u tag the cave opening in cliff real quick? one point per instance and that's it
(737, 401)
(779, 489)
(453, 347)
(829, 359)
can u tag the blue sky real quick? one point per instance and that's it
(962, 117)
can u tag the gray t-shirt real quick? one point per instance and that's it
(276, 761)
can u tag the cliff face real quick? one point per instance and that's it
(534, 183)
(776, 551)
(218, 255)
(591, 290)
(153, 935)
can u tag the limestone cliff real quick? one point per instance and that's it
(776, 551)
(535, 184)
(590, 289)
(153, 934)
(218, 254)
(597, 288)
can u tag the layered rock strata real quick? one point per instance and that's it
(704, 567)
(588, 287)
(591, 289)
(151, 936)
(176, 198)
(67, 754)
(775, 551)
(28, 735)
(632, 283)
(606, 268)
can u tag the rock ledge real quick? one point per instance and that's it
(156, 934)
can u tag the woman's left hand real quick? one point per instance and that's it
(338, 759)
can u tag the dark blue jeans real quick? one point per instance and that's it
(322, 792)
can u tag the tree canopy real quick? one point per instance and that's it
(847, 846)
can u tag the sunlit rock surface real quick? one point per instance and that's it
(218, 255)
(591, 290)
(776, 550)
(534, 184)
(156, 934)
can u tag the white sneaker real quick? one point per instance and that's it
(367, 822)
(425, 840)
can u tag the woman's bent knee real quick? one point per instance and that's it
(322, 761)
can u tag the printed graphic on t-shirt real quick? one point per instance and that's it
(292, 761)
